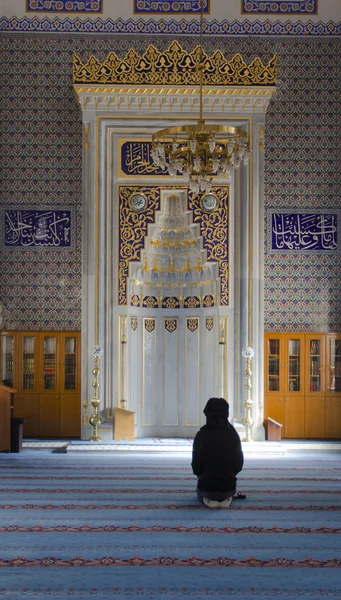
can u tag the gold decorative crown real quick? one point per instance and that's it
(174, 66)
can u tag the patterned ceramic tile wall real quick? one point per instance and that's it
(302, 170)
(40, 162)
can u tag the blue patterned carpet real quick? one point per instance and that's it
(129, 526)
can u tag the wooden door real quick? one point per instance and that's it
(28, 408)
(28, 378)
(69, 365)
(293, 386)
(49, 363)
(294, 417)
(49, 411)
(274, 377)
(333, 385)
(9, 359)
(315, 417)
(333, 417)
(70, 415)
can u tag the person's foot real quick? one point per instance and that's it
(225, 503)
(211, 503)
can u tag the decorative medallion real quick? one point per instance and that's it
(133, 323)
(287, 7)
(171, 302)
(209, 202)
(174, 66)
(192, 324)
(135, 300)
(137, 201)
(208, 301)
(150, 302)
(149, 325)
(209, 323)
(170, 6)
(191, 302)
(171, 325)
(65, 6)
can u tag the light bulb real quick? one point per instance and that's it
(230, 147)
(174, 145)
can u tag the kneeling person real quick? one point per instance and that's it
(217, 456)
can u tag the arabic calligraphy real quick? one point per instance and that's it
(303, 231)
(37, 229)
(136, 159)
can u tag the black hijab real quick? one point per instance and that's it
(217, 413)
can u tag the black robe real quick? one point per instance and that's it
(217, 456)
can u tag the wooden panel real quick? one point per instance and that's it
(315, 381)
(333, 366)
(315, 417)
(69, 362)
(273, 364)
(70, 415)
(123, 424)
(28, 373)
(294, 367)
(294, 417)
(49, 415)
(274, 431)
(5, 419)
(274, 408)
(27, 408)
(333, 418)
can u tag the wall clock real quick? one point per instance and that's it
(209, 202)
(137, 201)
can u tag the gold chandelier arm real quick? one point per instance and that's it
(210, 128)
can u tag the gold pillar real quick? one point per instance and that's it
(248, 353)
(95, 419)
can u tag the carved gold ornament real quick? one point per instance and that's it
(133, 322)
(170, 325)
(209, 323)
(192, 324)
(149, 325)
(174, 66)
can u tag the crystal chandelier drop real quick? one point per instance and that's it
(201, 152)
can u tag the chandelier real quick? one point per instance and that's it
(201, 152)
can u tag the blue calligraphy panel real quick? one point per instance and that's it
(295, 231)
(170, 6)
(292, 7)
(38, 229)
(136, 159)
(65, 6)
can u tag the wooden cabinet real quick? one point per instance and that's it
(45, 368)
(284, 382)
(303, 384)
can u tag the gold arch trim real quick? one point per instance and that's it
(174, 66)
